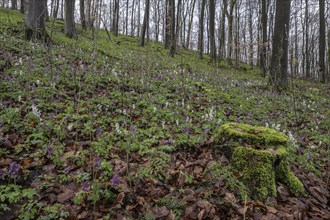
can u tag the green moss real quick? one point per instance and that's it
(284, 175)
(250, 135)
(257, 173)
(262, 160)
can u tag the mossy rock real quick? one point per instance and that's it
(259, 154)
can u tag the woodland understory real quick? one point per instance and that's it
(93, 128)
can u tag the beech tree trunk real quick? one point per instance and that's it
(14, 4)
(69, 18)
(22, 9)
(145, 22)
(212, 27)
(279, 63)
(173, 37)
(35, 19)
(322, 44)
(201, 30)
(82, 14)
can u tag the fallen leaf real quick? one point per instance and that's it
(65, 196)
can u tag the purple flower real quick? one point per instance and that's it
(86, 186)
(98, 161)
(169, 142)
(132, 128)
(67, 170)
(1, 124)
(115, 180)
(52, 115)
(50, 150)
(98, 131)
(13, 169)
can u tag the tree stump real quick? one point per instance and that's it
(259, 155)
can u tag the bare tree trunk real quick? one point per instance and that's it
(22, 9)
(264, 21)
(14, 4)
(145, 22)
(56, 7)
(69, 18)
(132, 19)
(212, 31)
(201, 30)
(279, 64)
(82, 14)
(250, 21)
(190, 23)
(35, 19)
(230, 29)
(222, 46)
(173, 37)
(322, 44)
(308, 74)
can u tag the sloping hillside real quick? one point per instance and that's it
(100, 128)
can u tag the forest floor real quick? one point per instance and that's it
(106, 129)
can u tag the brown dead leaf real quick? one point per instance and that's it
(120, 198)
(65, 196)
(130, 207)
(160, 212)
(230, 197)
(319, 194)
(201, 214)
(271, 209)
(189, 198)
(26, 163)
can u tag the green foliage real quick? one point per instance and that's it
(227, 174)
(13, 194)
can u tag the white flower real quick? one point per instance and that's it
(19, 98)
(36, 111)
(70, 127)
(133, 106)
(166, 104)
(117, 128)
(177, 122)
(99, 106)
(163, 124)
(155, 109)
(38, 81)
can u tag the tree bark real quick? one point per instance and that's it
(167, 25)
(82, 14)
(173, 37)
(69, 18)
(222, 46)
(201, 30)
(145, 22)
(279, 63)
(14, 4)
(212, 31)
(191, 15)
(322, 44)
(264, 21)
(22, 9)
(230, 29)
(35, 19)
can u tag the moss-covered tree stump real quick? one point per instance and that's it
(260, 155)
